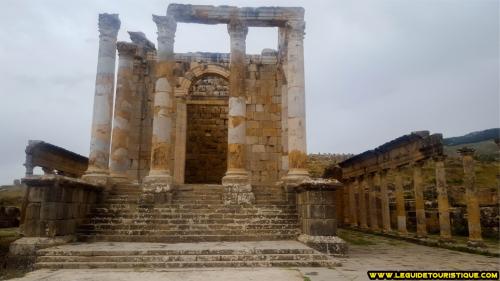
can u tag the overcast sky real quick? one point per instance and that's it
(375, 69)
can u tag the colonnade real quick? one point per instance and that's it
(376, 185)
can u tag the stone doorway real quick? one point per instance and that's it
(206, 132)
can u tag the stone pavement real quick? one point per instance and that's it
(367, 252)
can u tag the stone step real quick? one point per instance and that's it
(105, 220)
(193, 226)
(181, 255)
(195, 264)
(184, 238)
(207, 232)
(180, 258)
(194, 216)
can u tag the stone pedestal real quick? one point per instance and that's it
(100, 139)
(317, 216)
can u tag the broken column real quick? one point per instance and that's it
(100, 139)
(297, 150)
(159, 180)
(362, 203)
(237, 188)
(384, 198)
(119, 161)
(473, 211)
(442, 197)
(418, 187)
(400, 202)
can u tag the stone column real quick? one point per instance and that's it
(159, 178)
(372, 202)
(362, 203)
(236, 162)
(418, 187)
(100, 138)
(473, 210)
(347, 209)
(297, 149)
(400, 202)
(442, 197)
(384, 198)
(236, 181)
(119, 161)
(352, 204)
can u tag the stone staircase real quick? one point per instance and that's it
(181, 255)
(195, 230)
(196, 214)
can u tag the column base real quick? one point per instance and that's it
(117, 179)
(156, 189)
(98, 177)
(476, 244)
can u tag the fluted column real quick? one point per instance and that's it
(384, 198)
(418, 187)
(119, 161)
(400, 202)
(297, 147)
(473, 211)
(362, 203)
(159, 177)
(372, 202)
(442, 197)
(236, 158)
(100, 138)
(352, 204)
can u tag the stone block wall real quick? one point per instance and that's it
(317, 212)
(56, 205)
(264, 113)
(206, 149)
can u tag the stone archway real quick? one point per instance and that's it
(206, 131)
(189, 100)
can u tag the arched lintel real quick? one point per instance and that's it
(195, 73)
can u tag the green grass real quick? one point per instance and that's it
(354, 239)
(12, 195)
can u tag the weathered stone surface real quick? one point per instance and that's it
(330, 245)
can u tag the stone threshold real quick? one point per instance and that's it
(432, 242)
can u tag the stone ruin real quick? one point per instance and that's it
(193, 147)
(375, 199)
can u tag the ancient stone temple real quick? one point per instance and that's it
(195, 147)
(235, 119)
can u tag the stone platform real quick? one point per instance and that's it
(181, 255)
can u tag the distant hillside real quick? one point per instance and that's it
(479, 136)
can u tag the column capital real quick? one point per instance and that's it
(126, 49)
(466, 151)
(109, 24)
(296, 29)
(237, 28)
(167, 25)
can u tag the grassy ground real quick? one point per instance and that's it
(12, 195)
(7, 236)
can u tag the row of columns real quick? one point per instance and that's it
(370, 182)
(100, 164)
